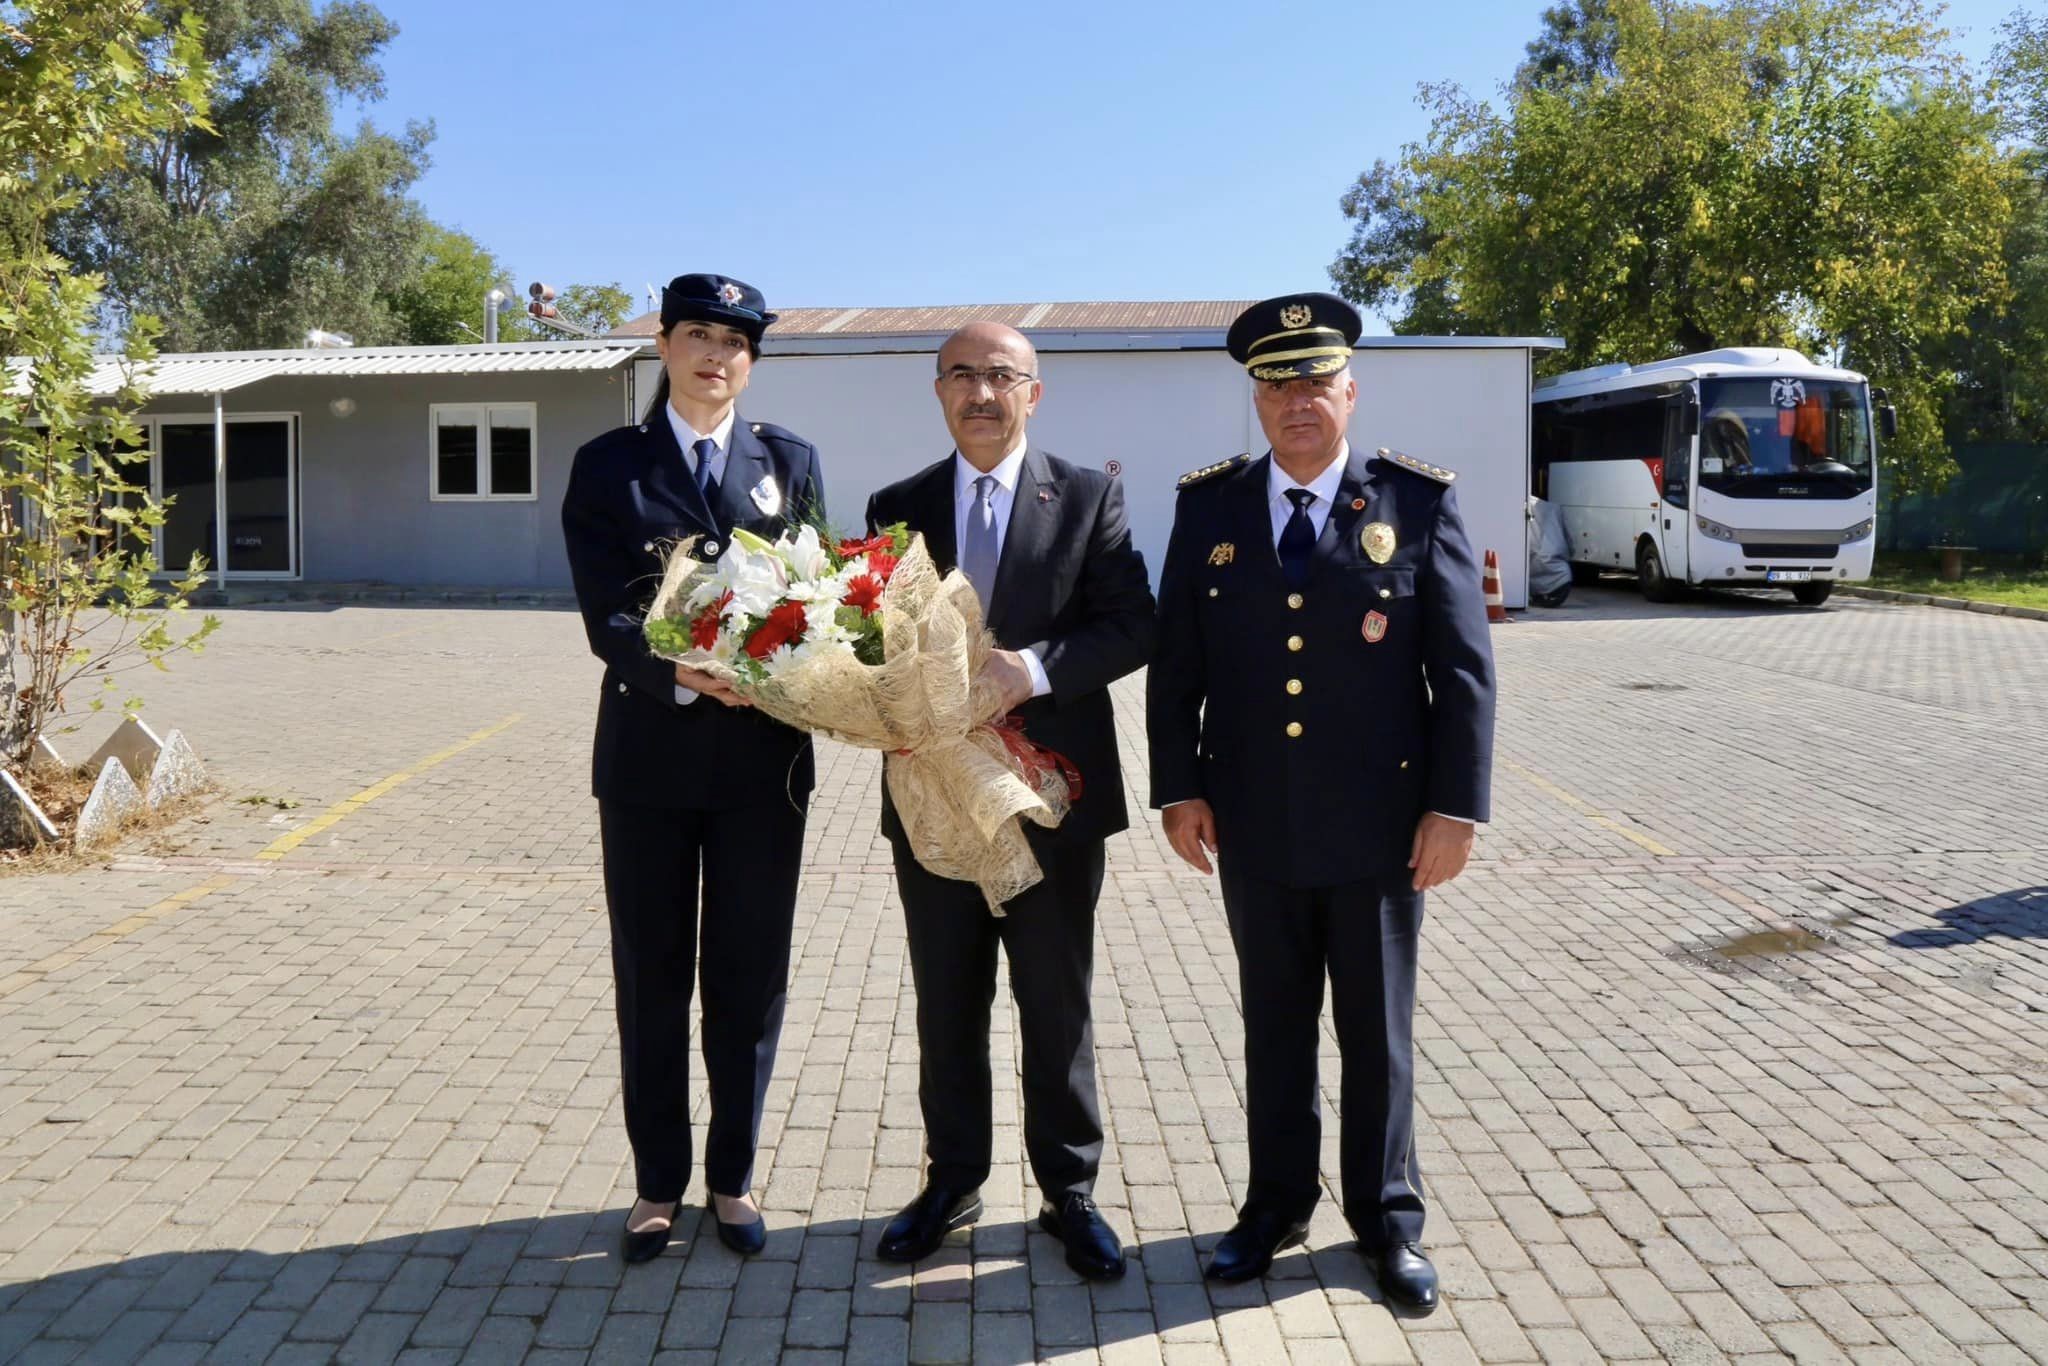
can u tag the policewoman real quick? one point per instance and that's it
(1320, 717)
(701, 799)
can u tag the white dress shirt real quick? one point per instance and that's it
(687, 437)
(1001, 499)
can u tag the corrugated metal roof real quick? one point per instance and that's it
(219, 371)
(1186, 314)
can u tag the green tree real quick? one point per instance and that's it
(265, 222)
(442, 301)
(80, 82)
(1666, 176)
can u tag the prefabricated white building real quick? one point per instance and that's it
(1146, 390)
(444, 466)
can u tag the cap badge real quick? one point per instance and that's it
(729, 292)
(1223, 554)
(1377, 540)
(1296, 315)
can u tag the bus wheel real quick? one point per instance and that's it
(1650, 576)
(1812, 594)
(1585, 575)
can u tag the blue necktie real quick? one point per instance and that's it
(1297, 539)
(706, 485)
(978, 552)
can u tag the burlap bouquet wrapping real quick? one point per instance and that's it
(962, 784)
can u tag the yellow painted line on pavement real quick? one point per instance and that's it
(1590, 812)
(35, 972)
(99, 939)
(348, 806)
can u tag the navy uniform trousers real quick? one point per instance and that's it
(1320, 719)
(701, 806)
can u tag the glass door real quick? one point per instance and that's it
(262, 513)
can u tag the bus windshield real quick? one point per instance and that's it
(1759, 434)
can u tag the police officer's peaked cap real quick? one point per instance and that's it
(715, 299)
(1295, 334)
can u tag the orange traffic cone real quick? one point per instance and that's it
(1496, 601)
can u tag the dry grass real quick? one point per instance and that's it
(61, 792)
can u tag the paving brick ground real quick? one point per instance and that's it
(337, 1082)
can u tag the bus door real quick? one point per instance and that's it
(1674, 518)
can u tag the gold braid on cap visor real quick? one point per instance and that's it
(1295, 332)
(1328, 361)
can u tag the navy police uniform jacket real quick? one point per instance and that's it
(1321, 723)
(630, 499)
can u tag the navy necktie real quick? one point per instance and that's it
(1297, 539)
(706, 485)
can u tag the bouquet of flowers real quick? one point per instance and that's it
(865, 642)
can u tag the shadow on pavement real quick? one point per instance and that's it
(2021, 914)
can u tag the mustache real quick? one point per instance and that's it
(981, 410)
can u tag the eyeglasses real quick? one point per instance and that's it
(1000, 378)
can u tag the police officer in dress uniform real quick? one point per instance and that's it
(692, 784)
(1320, 718)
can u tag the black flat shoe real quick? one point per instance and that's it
(1407, 1278)
(1247, 1251)
(646, 1246)
(923, 1224)
(745, 1239)
(1092, 1246)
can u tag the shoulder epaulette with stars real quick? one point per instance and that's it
(1421, 467)
(1207, 472)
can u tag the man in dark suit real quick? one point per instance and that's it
(690, 782)
(1046, 547)
(1320, 717)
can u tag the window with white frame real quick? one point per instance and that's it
(482, 450)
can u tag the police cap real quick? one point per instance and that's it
(1295, 334)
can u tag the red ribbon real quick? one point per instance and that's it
(1036, 759)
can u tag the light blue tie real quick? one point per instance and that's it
(706, 485)
(978, 553)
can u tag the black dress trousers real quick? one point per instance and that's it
(748, 859)
(1365, 936)
(1049, 935)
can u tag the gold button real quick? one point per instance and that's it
(1212, 592)
(1294, 600)
(1404, 763)
(1386, 592)
(1294, 687)
(1294, 642)
(1294, 730)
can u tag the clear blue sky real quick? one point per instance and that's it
(917, 153)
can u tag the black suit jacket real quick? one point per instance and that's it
(1390, 727)
(1069, 587)
(630, 497)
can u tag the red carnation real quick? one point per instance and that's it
(882, 564)
(865, 592)
(704, 630)
(784, 626)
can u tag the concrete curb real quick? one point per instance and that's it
(1994, 609)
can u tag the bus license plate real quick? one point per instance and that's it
(1788, 576)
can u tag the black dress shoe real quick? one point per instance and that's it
(745, 1239)
(1092, 1246)
(1407, 1278)
(923, 1224)
(1247, 1251)
(647, 1245)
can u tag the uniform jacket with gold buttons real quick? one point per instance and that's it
(630, 498)
(1318, 746)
